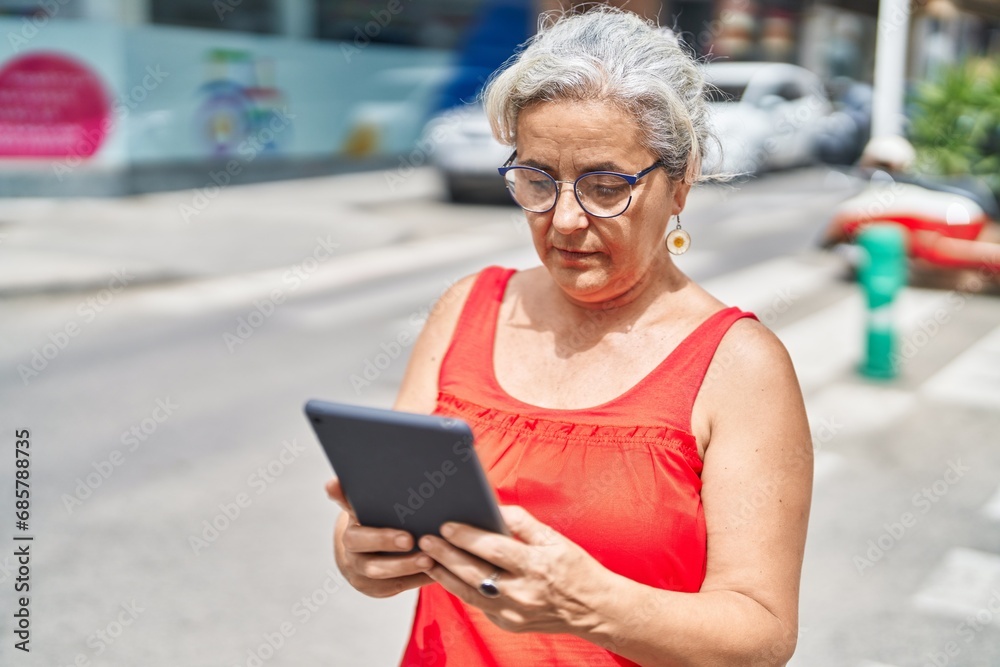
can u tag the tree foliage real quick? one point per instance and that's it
(955, 123)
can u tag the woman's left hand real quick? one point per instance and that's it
(547, 583)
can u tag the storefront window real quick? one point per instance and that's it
(753, 30)
(258, 16)
(34, 8)
(438, 24)
(694, 20)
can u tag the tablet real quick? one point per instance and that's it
(407, 471)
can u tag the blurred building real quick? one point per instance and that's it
(836, 37)
(839, 36)
(119, 96)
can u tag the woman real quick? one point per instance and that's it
(649, 445)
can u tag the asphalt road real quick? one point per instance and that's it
(176, 490)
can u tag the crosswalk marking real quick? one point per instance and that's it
(826, 344)
(964, 583)
(857, 408)
(337, 273)
(774, 285)
(991, 510)
(826, 464)
(971, 378)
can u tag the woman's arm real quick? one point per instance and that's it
(757, 484)
(360, 551)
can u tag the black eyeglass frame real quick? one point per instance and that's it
(631, 179)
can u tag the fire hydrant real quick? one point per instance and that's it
(882, 274)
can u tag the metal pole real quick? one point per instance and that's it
(890, 67)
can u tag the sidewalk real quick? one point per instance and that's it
(51, 246)
(76, 245)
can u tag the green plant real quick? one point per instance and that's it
(955, 122)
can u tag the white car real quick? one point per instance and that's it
(765, 115)
(461, 145)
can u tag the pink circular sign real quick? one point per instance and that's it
(51, 105)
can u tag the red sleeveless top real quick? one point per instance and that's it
(621, 479)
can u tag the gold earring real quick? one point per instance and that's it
(678, 241)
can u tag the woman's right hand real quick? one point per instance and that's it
(355, 549)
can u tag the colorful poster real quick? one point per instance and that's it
(51, 105)
(240, 105)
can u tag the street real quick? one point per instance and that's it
(161, 364)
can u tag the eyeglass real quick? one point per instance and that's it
(602, 194)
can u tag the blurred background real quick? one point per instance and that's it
(214, 211)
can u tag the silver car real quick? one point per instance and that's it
(766, 116)
(463, 148)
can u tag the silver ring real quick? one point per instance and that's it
(488, 586)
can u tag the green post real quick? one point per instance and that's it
(882, 273)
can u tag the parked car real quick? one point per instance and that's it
(462, 147)
(458, 137)
(766, 116)
(846, 131)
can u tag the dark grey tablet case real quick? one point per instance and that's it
(403, 470)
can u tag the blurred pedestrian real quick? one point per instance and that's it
(648, 444)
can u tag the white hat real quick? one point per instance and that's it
(889, 152)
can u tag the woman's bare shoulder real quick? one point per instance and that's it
(751, 383)
(750, 353)
(419, 388)
(445, 314)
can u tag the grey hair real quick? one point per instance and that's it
(611, 55)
